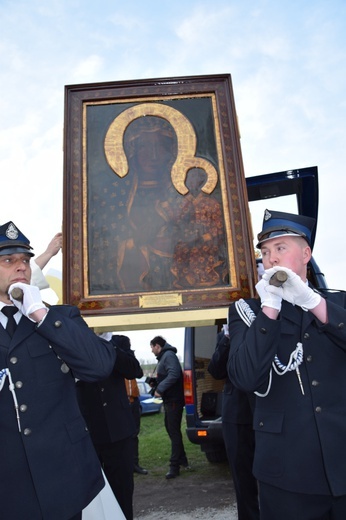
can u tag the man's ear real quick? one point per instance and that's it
(307, 254)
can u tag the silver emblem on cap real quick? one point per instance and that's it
(267, 215)
(12, 232)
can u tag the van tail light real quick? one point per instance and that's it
(188, 392)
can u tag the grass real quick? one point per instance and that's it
(155, 447)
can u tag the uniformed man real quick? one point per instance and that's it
(49, 469)
(237, 430)
(289, 346)
(107, 412)
(132, 391)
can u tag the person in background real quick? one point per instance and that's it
(52, 249)
(42, 351)
(237, 431)
(106, 409)
(170, 387)
(38, 263)
(133, 395)
(289, 347)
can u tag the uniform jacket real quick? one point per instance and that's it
(52, 457)
(170, 375)
(300, 439)
(105, 405)
(236, 407)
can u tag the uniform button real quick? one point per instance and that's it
(263, 330)
(13, 360)
(64, 368)
(261, 424)
(57, 324)
(102, 389)
(23, 408)
(315, 383)
(318, 409)
(306, 335)
(309, 358)
(105, 404)
(27, 432)
(340, 326)
(86, 429)
(19, 384)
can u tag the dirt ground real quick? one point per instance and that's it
(193, 494)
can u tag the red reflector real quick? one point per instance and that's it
(188, 393)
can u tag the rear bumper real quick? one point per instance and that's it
(203, 432)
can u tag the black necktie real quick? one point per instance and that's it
(11, 322)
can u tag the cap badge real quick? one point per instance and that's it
(267, 215)
(12, 232)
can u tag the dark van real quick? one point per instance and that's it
(203, 394)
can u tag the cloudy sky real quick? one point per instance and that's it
(288, 66)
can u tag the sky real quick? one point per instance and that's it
(287, 61)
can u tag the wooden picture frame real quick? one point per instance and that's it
(155, 207)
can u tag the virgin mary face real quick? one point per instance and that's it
(154, 152)
(152, 146)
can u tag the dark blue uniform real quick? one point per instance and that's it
(49, 470)
(238, 433)
(300, 438)
(106, 409)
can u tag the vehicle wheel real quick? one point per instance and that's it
(216, 455)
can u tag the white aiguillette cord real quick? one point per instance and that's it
(3, 373)
(296, 358)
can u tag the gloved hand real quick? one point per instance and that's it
(225, 330)
(294, 290)
(32, 300)
(268, 298)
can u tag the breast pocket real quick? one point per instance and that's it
(46, 365)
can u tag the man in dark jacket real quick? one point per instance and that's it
(170, 387)
(289, 347)
(49, 469)
(107, 412)
(237, 431)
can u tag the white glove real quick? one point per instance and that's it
(294, 290)
(225, 330)
(268, 298)
(31, 301)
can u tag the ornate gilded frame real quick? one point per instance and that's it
(155, 240)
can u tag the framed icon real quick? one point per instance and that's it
(155, 205)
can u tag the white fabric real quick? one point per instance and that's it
(106, 335)
(104, 506)
(37, 276)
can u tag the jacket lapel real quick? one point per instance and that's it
(24, 329)
(5, 339)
